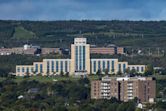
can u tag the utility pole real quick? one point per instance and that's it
(149, 52)
(158, 51)
(163, 52)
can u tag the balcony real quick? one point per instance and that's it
(129, 88)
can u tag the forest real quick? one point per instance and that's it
(138, 34)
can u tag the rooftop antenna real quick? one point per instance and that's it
(80, 34)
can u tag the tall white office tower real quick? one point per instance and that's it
(80, 57)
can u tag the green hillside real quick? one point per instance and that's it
(21, 33)
(135, 34)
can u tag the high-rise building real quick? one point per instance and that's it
(80, 57)
(79, 64)
(124, 88)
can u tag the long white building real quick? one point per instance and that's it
(79, 64)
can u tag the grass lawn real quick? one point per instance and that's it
(44, 78)
(50, 79)
(60, 78)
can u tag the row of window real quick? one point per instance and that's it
(138, 69)
(122, 67)
(50, 66)
(57, 66)
(105, 65)
(23, 69)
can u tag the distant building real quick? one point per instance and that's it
(49, 50)
(79, 64)
(28, 50)
(107, 50)
(124, 88)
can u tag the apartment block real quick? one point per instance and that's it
(124, 88)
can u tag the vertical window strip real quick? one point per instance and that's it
(57, 65)
(108, 66)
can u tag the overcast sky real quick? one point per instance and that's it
(83, 9)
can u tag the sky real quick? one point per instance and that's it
(83, 10)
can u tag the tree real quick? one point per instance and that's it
(61, 73)
(112, 71)
(67, 74)
(133, 71)
(47, 73)
(127, 71)
(27, 75)
(106, 71)
(138, 109)
(119, 73)
(149, 70)
(98, 72)
(113, 107)
(54, 73)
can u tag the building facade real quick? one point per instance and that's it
(124, 88)
(107, 50)
(79, 64)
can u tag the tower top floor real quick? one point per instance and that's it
(80, 41)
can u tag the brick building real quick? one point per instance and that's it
(124, 88)
(107, 50)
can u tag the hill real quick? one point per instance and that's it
(61, 33)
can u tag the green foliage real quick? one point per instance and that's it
(21, 33)
(61, 33)
(53, 96)
(149, 70)
(161, 105)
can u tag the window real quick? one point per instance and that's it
(76, 58)
(124, 67)
(84, 60)
(52, 66)
(103, 65)
(23, 69)
(48, 66)
(119, 67)
(61, 65)
(41, 68)
(36, 67)
(80, 58)
(27, 70)
(137, 69)
(98, 65)
(66, 66)
(18, 69)
(31, 69)
(94, 66)
(142, 69)
(57, 65)
(113, 66)
(108, 66)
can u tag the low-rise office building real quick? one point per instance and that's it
(79, 64)
(107, 50)
(28, 50)
(124, 88)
